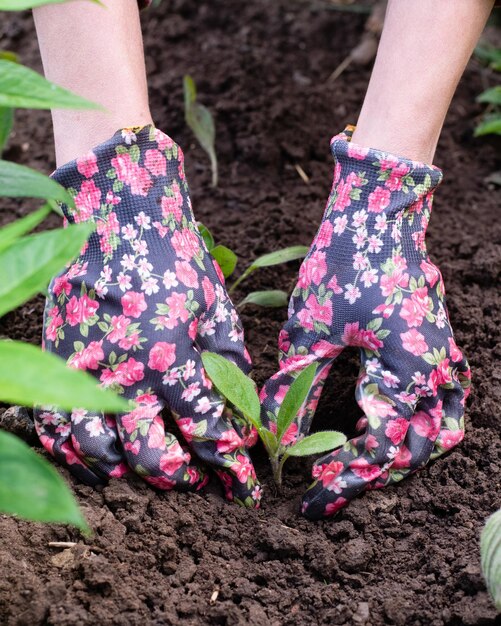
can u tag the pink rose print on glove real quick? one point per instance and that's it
(133, 304)
(87, 165)
(135, 310)
(368, 282)
(162, 356)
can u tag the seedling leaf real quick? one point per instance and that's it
(190, 91)
(273, 258)
(200, 120)
(317, 443)
(490, 55)
(491, 125)
(32, 489)
(269, 298)
(27, 265)
(206, 236)
(491, 96)
(19, 181)
(294, 399)
(269, 440)
(490, 552)
(280, 256)
(23, 88)
(238, 388)
(226, 259)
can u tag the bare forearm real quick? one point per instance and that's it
(423, 52)
(98, 53)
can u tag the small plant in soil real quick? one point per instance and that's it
(240, 391)
(490, 122)
(200, 120)
(227, 261)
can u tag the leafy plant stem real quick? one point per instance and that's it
(241, 278)
(277, 464)
(213, 164)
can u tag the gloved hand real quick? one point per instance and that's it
(136, 309)
(367, 281)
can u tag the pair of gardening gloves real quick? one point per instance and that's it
(145, 298)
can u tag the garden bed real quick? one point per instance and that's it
(408, 555)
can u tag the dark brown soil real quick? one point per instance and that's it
(405, 556)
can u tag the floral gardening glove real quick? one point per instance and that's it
(135, 310)
(367, 281)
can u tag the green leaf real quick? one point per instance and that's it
(19, 181)
(23, 88)
(6, 122)
(270, 298)
(491, 125)
(294, 399)
(32, 488)
(280, 256)
(489, 54)
(9, 56)
(490, 553)
(273, 258)
(238, 388)
(317, 443)
(29, 376)
(206, 236)
(200, 120)
(269, 440)
(491, 96)
(27, 266)
(190, 91)
(226, 259)
(14, 230)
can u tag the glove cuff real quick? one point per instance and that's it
(381, 192)
(140, 161)
(393, 182)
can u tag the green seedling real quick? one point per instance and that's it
(490, 122)
(227, 261)
(200, 120)
(490, 554)
(240, 391)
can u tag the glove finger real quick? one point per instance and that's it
(227, 339)
(452, 430)
(200, 414)
(91, 455)
(436, 426)
(345, 473)
(220, 329)
(153, 453)
(295, 356)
